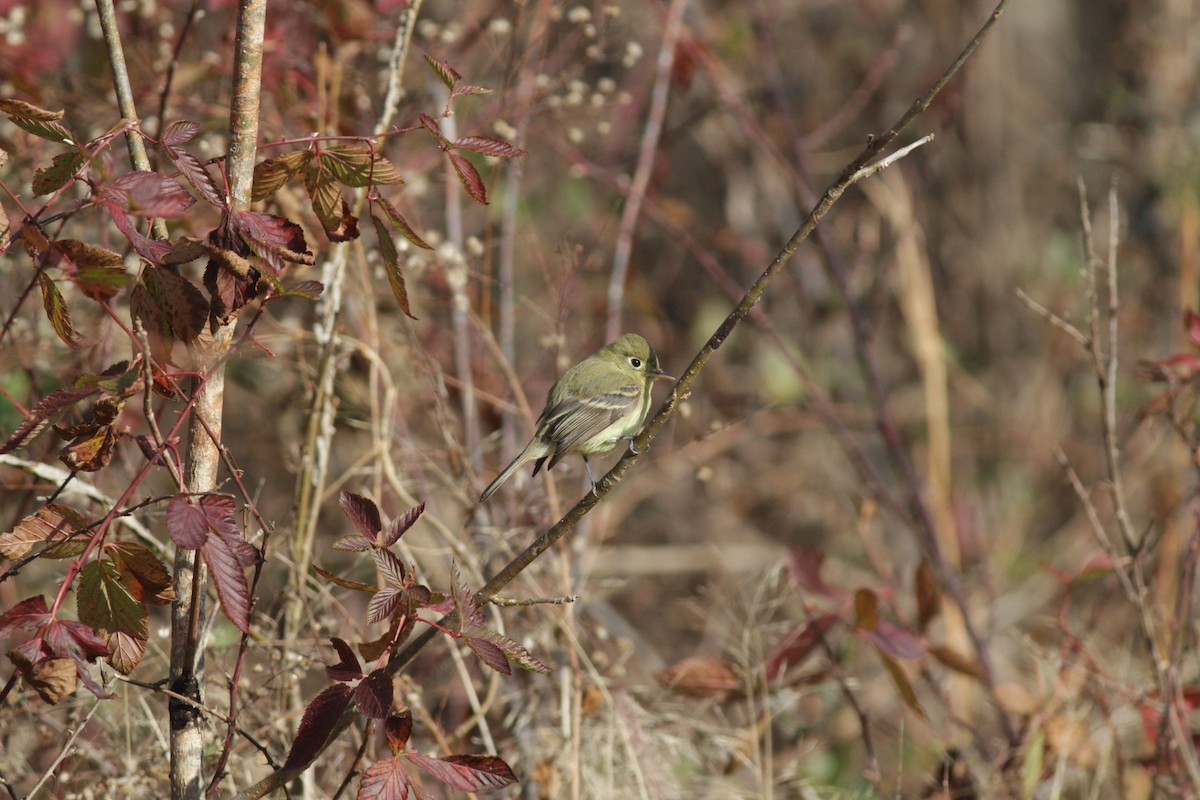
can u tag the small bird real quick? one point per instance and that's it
(595, 404)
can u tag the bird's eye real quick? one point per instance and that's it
(636, 362)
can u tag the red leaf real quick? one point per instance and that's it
(434, 129)
(398, 728)
(805, 568)
(28, 615)
(276, 240)
(363, 513)
(232, 589)
(347, 668)
(180, 131)
(142, 573)
(317, 724)
(469, 177)
(1179, 368)
(190, 518)
(466, 773)
(798, 645)
(150, 195)
(397, 527)
(41, 414)
(470, 615)
(448, 74)
(401, 223)
(489, 653)
(386, 779)
(197, 175)
(373, 695)
(489, 146)
(152, 250)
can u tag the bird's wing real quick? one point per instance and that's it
(574, 421)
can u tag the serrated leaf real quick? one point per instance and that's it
(152, 250)
(317, 725)
(27, 615)
(383, 604)
(225, 567)
(446, 73)
(345, 583)
(191, 518)
(347, 668)
(269, 175)
(196, 174)
(430, 124)
(105, 604)
(357, 166)
(52, 525)
(391, 265)
(466, 773)
(386, 779)
(19, 108)
(42, 413)
(312, 290)
(276, 240)
(45, 129)
(391, 567)
(402, 224)
(63, 168)
(180, 132)
(150, 195)
(373, 695)
(100, 283)
(353, 544)
(470, 615)
(518, 655)
(489, 653)
(171, 308)
(142, 574)
(400, 525)
(489, 146)
(469, 177)
(363, 514)
(57, 312)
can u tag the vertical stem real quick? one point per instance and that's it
(187, 613)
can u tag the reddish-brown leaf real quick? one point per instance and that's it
(391, 567)
(386, 779)
(143, 575)
(52, 678)
(347, 668)
(275, 172)
(42, 413)
(469, 176)
(345, 583)
(150, 195)
(28, 111)
(489, 146)
(466, 773)
(446, 73)
(805, 568)
(902, 683)
(866, 610)
(232, 587)
(397, 527)
(894, 640)
(363, 514)
(398, 728)
(27, 615)
(957, 661)
(798, 645)
(373, 695)
(489, 653)
(317, 724)
(702, 676)
(401, 223)
(929, 597)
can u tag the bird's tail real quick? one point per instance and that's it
(534, 449)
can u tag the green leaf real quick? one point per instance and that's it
(107, 606)
(62, 168)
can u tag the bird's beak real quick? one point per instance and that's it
(659, 375)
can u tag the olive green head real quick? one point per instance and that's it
(635, 352)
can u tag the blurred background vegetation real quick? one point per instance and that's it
(701, 552)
